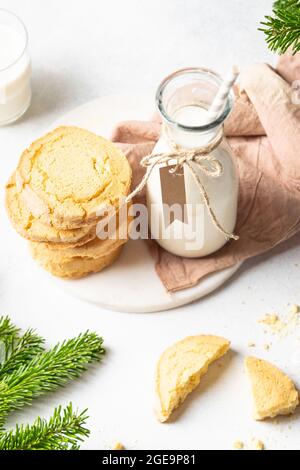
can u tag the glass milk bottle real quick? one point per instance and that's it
(15, 88)
(183, 99)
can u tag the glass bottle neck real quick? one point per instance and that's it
(191, 116)
(183, 99)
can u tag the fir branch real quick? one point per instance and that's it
(7, 329)
(21, 351)
(9, 333)
(48, 371)
(282, 30)
(280, 4)
(63, 431)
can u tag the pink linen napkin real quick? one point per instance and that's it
(264, 133)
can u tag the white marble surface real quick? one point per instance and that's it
(85, 49)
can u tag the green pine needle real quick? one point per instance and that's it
(48, 371)
(9, 333)
(20, 351)
(63, 431)
(7, 329)
(280, 4)
(282, 30)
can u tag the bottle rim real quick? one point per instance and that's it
(159, 97)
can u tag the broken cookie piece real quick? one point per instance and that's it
(181, 367)
(274, 393)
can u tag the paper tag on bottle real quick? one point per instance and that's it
(173, 193)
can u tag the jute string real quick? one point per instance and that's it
(179, 156)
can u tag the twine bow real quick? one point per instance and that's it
(178, 156)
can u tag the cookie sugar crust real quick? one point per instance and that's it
(32, 229)
(70, 174)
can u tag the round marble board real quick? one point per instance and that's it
(131, 283)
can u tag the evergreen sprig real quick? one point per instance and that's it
(9, 333)
(280, 4)
(48, 371)
(62, 431)
(27, 371)
(282, 30)
(20, 351)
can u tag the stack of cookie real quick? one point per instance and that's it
(65, 183)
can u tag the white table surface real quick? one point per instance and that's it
(85, 49)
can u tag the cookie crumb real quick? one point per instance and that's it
(251, 345)
(266, 347)
(274, 323)
(269, 319)
(118, 446)
(295, 309)
(257, 444)
(238, 445)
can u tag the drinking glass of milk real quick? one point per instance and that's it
(15, 71)
(207, 191)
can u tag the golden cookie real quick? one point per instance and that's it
(70, 175)
(77, 267)
(32, 229)
(273, 392)
(181, 367)
(116, 227)
(93, 250)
